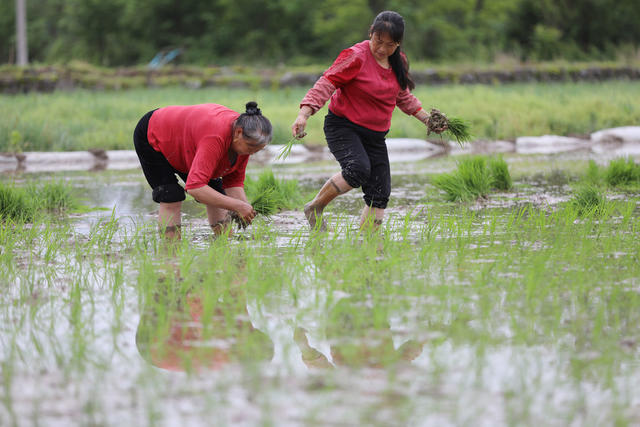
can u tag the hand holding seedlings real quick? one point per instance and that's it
(297, 131)
(438, 123)
(286, 150)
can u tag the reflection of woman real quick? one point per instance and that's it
(208, 146)
(178, 332)
(358, 338)
(365, 83)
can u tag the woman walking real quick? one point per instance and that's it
(365, 83)
(208, 146)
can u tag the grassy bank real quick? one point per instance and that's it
(80, 120)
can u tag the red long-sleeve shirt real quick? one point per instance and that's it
(196, 140)
(361, 90)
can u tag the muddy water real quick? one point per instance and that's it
(325, 354)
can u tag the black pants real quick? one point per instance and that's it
(160, 175)
(362, 154)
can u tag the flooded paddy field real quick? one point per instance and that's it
(514, 309)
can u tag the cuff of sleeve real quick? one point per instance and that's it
(417, 111)
(314, 108)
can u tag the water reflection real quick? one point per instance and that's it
(188, 326)
(359, 335)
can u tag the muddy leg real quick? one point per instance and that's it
(371, 218)
(220, 221)
(169, 219)
(331, 189)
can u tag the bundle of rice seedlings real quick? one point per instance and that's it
(500, 176)
(589, 199)
(455, 127)
(269, 195)
(267, 203)
(622, 172)
(474, 179)
(476, 175)
(453, 186)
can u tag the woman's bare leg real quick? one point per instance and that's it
(331, 189)
(219, 220)
(169, 219)
(371, 217)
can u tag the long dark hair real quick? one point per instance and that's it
(392, 23)
(254, 125)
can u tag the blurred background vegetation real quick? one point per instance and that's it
(297, 32)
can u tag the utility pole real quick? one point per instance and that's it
(21, 32)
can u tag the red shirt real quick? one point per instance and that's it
(196, 140)
(365, 92)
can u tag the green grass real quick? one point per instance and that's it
(80, 119)
(475, 177)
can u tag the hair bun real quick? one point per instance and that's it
(252, 108)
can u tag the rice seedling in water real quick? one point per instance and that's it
(593, 174)
(588, 199)
(500, 176)
(622, 172)
(25, 203)
(474, 179)
(16, 203)
(54, 196)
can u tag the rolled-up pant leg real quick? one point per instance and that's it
(377, 189)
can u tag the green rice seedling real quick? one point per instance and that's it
(26, 203)
(476, 175)
(269, 195)
(267, 202)
(622, 172)
(272, 194)
(593, 175)
(454, 187)
(500, 176)
(588, 199)
(286, 149)
(54, 196)
(471, 180)
(455, 127)
(16, 203)
(474, 178)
